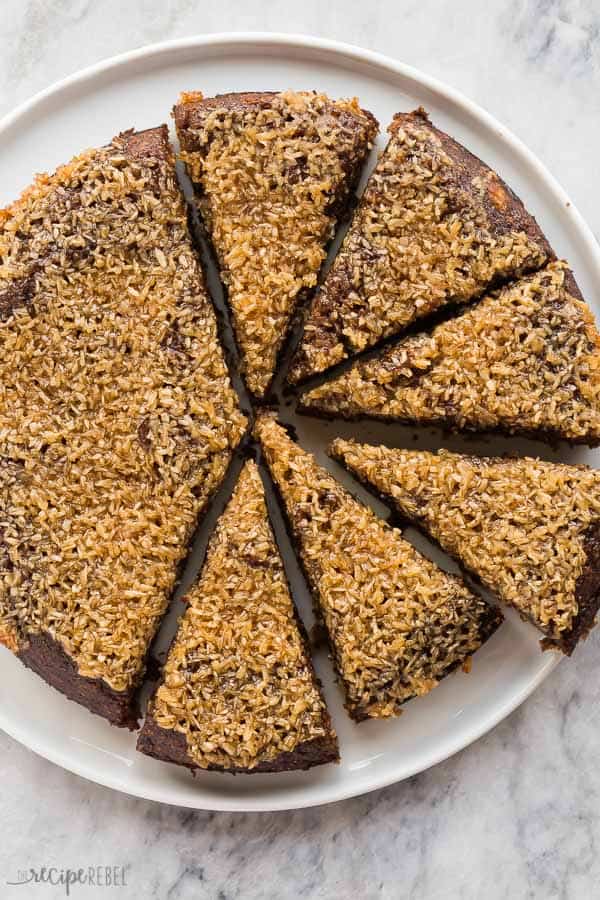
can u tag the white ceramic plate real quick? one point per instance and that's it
(138, 89)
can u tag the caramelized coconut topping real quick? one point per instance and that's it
(397, 624)
(528, 529)
(274, 172)
(523, 360)
(434, 226)
(238, 682)
(117, 420)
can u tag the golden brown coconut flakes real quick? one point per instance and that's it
(117, 420)
(237, 681)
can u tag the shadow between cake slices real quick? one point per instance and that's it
(523, 360)
(383, 655)
(298, 152)
(89, 671)
(441, 492)
(238, 691)
(435, 227)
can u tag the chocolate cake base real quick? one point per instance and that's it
(587, 593)
(46, 657)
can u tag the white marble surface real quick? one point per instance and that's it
(517, 814)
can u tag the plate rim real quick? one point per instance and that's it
(253, 40)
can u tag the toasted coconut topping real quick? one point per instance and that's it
(523, 360)
(520, 525)
(238, 682)
(397, 623)
(117, 420)
(435, 226)
(274, 172)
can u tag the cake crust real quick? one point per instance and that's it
(587, 595)
(435, 227)
(274, 172)
(167, 745)
(47, 658)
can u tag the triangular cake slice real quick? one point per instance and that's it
(117, 417)
(528, 530)
(435, 226)
(273, 174)
(396, 623)
(524, 360)
(238, 692)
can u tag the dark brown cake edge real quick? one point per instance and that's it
(168, 745)
(587, 587)
(189, 113)
(449, 426)
(587, 594)
(505, 209)
(47, 658)
(147, 144)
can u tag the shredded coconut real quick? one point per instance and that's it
(434, 226)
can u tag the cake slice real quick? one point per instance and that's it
(528, 530)
(397, 624)
(238, 691)
(273, 174)
(435, 226)
(117, 418)
(524, 360)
